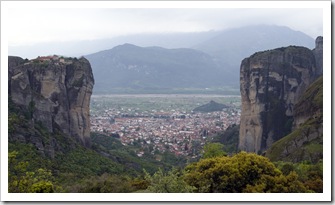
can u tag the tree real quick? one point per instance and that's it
(172, 182)
(22, 181)
(277, 184)
(311, 175)
(106, 183)
(243, 172)
(213, 150)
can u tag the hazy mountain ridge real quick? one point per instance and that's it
(230, 47)
(86, 47)
(213, 61)
(130, 66)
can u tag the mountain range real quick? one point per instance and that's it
(153, 68)
(230, 47)
(209, 60)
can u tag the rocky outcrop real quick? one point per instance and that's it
(271, 83)
(306, 140)
(55, 93)
(318, 53)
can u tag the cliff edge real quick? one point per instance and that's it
(271, 84)
(54, 93)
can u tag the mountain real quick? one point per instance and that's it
(272, 83)
(54, 93)
(212, 106)
(153, 68)
(231, 46)
(212, 61)
(85, 47)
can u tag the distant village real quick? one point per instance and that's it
(179, 132)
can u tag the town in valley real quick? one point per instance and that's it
(160, 123)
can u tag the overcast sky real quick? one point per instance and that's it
(45, 25)
(27, 25)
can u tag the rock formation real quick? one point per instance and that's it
(306, 140)
(271, 83)
(54, 92)
(318, 53)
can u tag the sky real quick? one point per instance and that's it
(69, 24)
(31, 24)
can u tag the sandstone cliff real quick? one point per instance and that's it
(54, 93)
(271, 83)
(306, 140)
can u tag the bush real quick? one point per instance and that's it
(22, 181)
(243, 172)
(171, 182)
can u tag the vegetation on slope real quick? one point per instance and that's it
(229, 139)
(69, 165)
(240, 173)
(306, 141)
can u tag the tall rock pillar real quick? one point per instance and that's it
(271, 82)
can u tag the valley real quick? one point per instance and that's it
(160, 123)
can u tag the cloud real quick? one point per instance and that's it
(33, 25)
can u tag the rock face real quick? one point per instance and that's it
(306, 140)
(318, 53)
(271, 83)
(56, 93)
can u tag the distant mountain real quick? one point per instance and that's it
(225, 51)
(230, 47)
(153, 68)
(85, 47)
(212, 106)
(213, 61)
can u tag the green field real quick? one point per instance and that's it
(224, 90)
(157, 102)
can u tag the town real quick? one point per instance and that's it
(156, 131)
